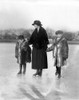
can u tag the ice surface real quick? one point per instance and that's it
(48, 87)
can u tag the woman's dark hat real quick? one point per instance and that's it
(59, 32)
(37, 22)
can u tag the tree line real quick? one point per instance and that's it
(11, 35)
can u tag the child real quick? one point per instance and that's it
(22, 53)
(60, 51)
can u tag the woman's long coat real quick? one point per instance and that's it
(39, 41)
(60, 52)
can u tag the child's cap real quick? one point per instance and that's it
(59, 32)
(20, 37)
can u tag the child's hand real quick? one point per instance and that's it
(16, 56)
(48, 49)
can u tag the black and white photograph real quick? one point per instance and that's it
(39, 46)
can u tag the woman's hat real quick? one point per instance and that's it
(37, 22)
(59, 32)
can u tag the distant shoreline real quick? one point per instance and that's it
(73, 42)
(7, 41)
(14, 41)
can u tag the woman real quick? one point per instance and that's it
(22, 53)
(60, 51)
(39, 41)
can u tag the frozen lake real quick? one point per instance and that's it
(48, 87)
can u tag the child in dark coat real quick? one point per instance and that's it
(22, 53)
